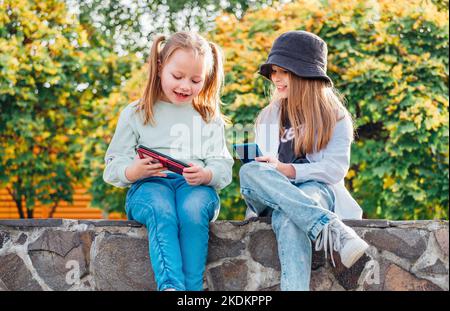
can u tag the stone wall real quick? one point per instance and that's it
(60, 254)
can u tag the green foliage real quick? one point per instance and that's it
(51, 79)
(126, 24)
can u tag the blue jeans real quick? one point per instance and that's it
(177, 218)
(299, 212)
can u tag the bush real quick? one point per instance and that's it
(53, 78)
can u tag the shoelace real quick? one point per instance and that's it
(326, 239)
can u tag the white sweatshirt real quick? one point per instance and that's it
(330, 165)
(179, 132)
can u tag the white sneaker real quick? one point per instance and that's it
(344, 240)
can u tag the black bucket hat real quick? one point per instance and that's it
(300, 52)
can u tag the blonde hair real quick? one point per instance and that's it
(313, 109)
(207, 103)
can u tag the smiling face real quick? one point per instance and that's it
(182, 76)
(280, 77)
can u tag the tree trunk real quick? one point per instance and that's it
(18, 200)
(52, 211)
(30, 213)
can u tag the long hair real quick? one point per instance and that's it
(207, 103)
(313, 109)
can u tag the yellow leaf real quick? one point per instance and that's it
(388, 182)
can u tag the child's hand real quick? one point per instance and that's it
(196, 175)
(268, 159)
(284, 168)
(143, 168)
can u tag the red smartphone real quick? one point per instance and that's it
(171, 164)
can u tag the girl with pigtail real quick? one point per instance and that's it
(178, 115)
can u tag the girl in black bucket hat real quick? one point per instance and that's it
(302, 53)
(305, 135)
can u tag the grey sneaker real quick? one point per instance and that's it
(342, 239)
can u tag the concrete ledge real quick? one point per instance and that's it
(63, 254)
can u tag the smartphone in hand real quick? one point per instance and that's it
(247, 152)
(173, 165)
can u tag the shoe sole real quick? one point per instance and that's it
(355, 249)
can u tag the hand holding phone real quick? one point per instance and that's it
(143, 168)
(197, 175)
(168, 162)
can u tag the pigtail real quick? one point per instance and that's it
(208, 103)
(153, 87)
(216, 78)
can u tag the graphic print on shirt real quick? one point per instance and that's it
(286, 152)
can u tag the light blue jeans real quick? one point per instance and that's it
(299, 212)
(177, 218)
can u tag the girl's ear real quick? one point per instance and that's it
(159, 68)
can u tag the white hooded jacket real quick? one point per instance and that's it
(330, 165)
